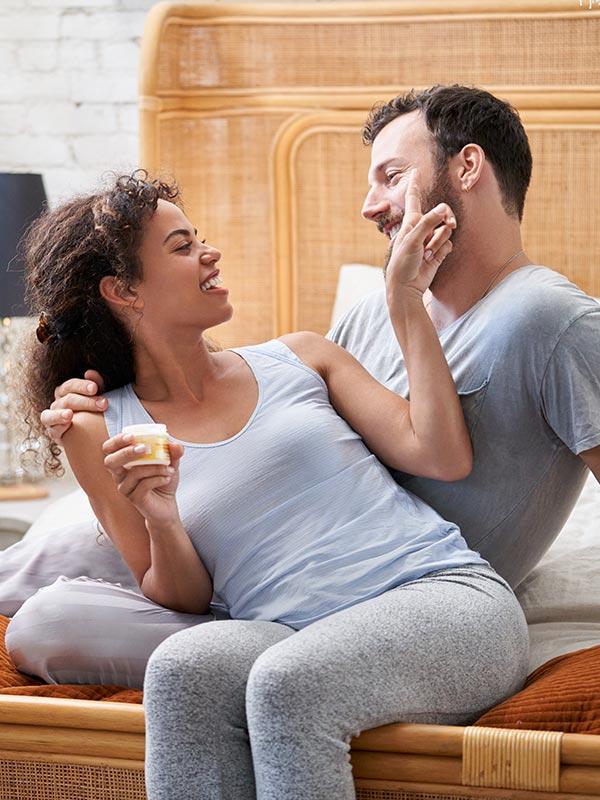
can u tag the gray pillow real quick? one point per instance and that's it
(65, 540)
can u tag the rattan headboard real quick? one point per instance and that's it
(257, 109)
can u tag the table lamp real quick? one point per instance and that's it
(22, 199)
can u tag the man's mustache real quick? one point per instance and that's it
(386, 219)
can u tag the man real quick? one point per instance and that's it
(521, 341)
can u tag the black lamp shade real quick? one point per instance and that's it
(22, 199)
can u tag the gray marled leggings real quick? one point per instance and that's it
(240, 710)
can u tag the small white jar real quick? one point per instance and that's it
(155, 436)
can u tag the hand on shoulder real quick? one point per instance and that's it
(75, 394)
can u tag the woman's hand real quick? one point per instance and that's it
(420, 245)
(150, 488)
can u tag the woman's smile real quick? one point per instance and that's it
(213, 285)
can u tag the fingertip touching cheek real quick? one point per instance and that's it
(403, 145)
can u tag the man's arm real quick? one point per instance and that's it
(592, 459)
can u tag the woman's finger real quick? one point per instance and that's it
(136, 475)
(120, 458)
(56, 422)
(440, 235)
(140, 489)
(139, 472)
(117, 442)
(441, 254)
(176, 451)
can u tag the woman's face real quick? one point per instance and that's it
(175, 268)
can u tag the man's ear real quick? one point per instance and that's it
(118, 295)
(469, 165)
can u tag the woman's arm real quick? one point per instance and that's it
(426, 436)
(137, 509)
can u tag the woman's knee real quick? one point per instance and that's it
(221, 650)
(86, 630)
(46, 627)
(185, 657)
(208, 662)
(283, 686)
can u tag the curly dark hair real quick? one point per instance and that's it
(67, 252)
(458, 115)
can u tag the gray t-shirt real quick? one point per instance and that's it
(526, 362)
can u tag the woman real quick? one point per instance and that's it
(352, 603)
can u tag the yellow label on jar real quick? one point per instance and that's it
(159, 449)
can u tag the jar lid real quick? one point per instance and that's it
(149, 428)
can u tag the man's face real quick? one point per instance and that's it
(406, 143)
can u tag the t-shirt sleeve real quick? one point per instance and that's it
(571, 384)
(360, 323)
(339, 332)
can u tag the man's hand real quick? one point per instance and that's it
(73, 395)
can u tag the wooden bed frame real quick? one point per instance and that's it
(257, 110)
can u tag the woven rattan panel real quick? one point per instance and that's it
(224, 159)
(400, 794)
(330, 170)
(285, 53)
(33, 780)
(224, 86)
(560, 224)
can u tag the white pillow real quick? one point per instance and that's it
(354, 282)
(64, 540)
(72, 508)
(561, 596)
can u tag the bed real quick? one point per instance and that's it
(257, 109)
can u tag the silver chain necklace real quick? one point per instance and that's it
(494, 276)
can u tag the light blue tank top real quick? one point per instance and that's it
(293, 516)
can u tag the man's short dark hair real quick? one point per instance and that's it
(459, 115)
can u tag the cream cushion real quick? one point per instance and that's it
(354, 282)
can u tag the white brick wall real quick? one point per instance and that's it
(68, 89)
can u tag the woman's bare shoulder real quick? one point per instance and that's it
(83, 444)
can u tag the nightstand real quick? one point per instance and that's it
(16, 516)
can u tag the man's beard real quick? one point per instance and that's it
(441, 191)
